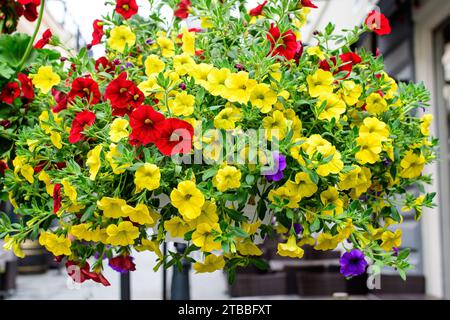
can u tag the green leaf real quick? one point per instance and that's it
(88, 213)
(260, 264)
(315, 226)
(12, 49)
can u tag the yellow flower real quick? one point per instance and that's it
(350, 92)
(11, 244)
(140, 214)
(45, 79)
(55, 137)
(32, 144)
(319, 83)
(177, 227)
(370, 148)
(334, 106)
(346, 229)
(216, 81)
(206, 22)
(204, 239)
(148, 177)
(227, 118)
(316, 51)
(251, 228)
(150, 86)
(183, 64)
(239, 87)
(331, 196)
(93, 161)
(152, 246)
(167, 46)
(122, 234)
(425, 124)
(70, 191)
(153, 65)
(188, 39)
(333, 166)
(263, 97)
(120, 38)
(208, 215)
(183, 104)
(111, 156)
(212, 263)
(358, 179)
(376, 104)
(118, 130)
(290, 248)
(112, 207)
(286, 196)
(58, 245)
(412, 165)
(305, 187)
(375, 127)
(188, 200)
(326, 241)
(200, 73)
(391, 240)
(226, 178)
(27, 172)
(44, 177)
(248, 248)
(275, 126)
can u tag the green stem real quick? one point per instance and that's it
(30, 44)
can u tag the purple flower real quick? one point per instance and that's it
(276, 171)
(395, 251)
(149, 41)
(128, 64)
(352, 263)
(182, 86)
(298, 228)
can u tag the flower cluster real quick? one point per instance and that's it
(218, 136)
(12, 10)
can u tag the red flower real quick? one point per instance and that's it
(46, 37)
(82, 119)
(143, 122)
(284, 45)
(98, 32)
(183, 9)
(61, 100)
(27, 86)
(56, 198)
(175, 137)
(10, 93)
(30, 12)
(308, 4)
(124, 95)
(35, 2)
(257, 11)
(106, 65)
(126, 8)
(378, 23)
(348, 59)
(81, 274)
(85, 88)
(3, 167)
(122, 264)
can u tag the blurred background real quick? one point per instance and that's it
(417, 50)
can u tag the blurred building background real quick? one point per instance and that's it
(417, 50)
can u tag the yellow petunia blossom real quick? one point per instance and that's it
(370, 149)
(58, 245)
(326, 241)
(118, 130)
(55, 137)
(94, 162)
(316, 51)
(227, 178)
(183, 104)
(263, 97)
(319, 83)
(285, 195)
(216, 81)
(248, 248)
(177, 227)
(239, 87)
(112, 207)
(152, 246)
(412, 165)
(212, 263)
(44, 177)
(188, 199)
(331, 196)
(425, 123)
(350, 92)
(375, 127)
(188, 40)
(275, 126)
(140, 214)
(45, 79)
(70, 191)
(112, 157)
(226, 119)
(123, 234)
(208, 215)
(121, 37)
(148, 176)
(183, 64)
(334, 106)
(290, 248)
(204, 239)
(11, 244)
(153, 65)
(376, 104)
(391, 240)
(200, 73)
(27, 172)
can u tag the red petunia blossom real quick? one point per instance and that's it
(284, 45)
(46, 37)
(98, 32)
(126, 8)
(124, 95)
(182, 10)
(35, 2)
(308, 4)
(10, 93)
(5, 123)
(143, 122)
(30, 13)
(27, 86)
(348, 59)
(61, 100)
(122, 263)
(40, 166)
(82, 119)
(107, 66)
(258, 10)
(378, 23)
(81, 274)
(3, 167)
(175, 137)
(56, 198)
(86, 89)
